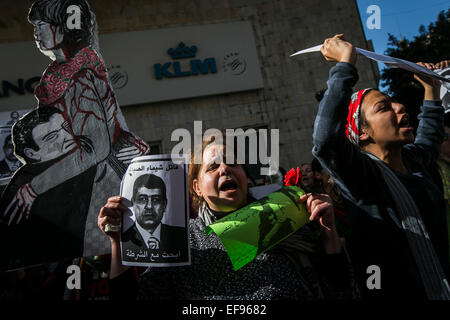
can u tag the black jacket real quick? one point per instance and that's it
(173, 240)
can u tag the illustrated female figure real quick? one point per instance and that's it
(77, 84)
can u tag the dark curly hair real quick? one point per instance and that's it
(55, 13)
(149, 181)
(22, 131)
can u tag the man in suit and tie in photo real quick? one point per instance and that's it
(10, 163)
(157, 242)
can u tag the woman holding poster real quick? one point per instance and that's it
(299, 268)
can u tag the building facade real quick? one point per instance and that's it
(285, 99)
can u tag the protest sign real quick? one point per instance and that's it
(155, 229)
(260, 225)
(445, 88)
(75, 147)
(8, 161)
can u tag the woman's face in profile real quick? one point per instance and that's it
(223, 186)
(307, 175)
(47, 36)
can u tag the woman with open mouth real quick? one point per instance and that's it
(308, 265)
(396, 209)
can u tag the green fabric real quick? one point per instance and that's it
(260, 225)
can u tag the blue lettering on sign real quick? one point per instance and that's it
(208, 64)
(175, 70)
(161, 71)
(178, 72)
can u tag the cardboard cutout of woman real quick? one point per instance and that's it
(77, 84)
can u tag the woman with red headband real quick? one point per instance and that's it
(365, 141)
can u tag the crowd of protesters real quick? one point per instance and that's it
(378, 195)
(378, 176)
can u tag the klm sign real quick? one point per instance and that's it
(175, 70)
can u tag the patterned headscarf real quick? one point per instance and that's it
(354, 113)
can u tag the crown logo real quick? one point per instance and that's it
(182, 51)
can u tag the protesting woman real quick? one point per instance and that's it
(301, 267)
(396, 211)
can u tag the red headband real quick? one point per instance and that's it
(354, 111)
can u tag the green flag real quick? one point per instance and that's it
(260, 225)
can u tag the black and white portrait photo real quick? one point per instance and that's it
(155, 233)
(9, 163)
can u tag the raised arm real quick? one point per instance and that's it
(331, 147)
(111, 213)
(430, 131)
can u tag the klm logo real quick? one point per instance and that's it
(175, 69)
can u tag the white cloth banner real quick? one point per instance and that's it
(390, 62)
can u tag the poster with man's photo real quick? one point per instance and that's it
(9, 163)
(155, 229)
